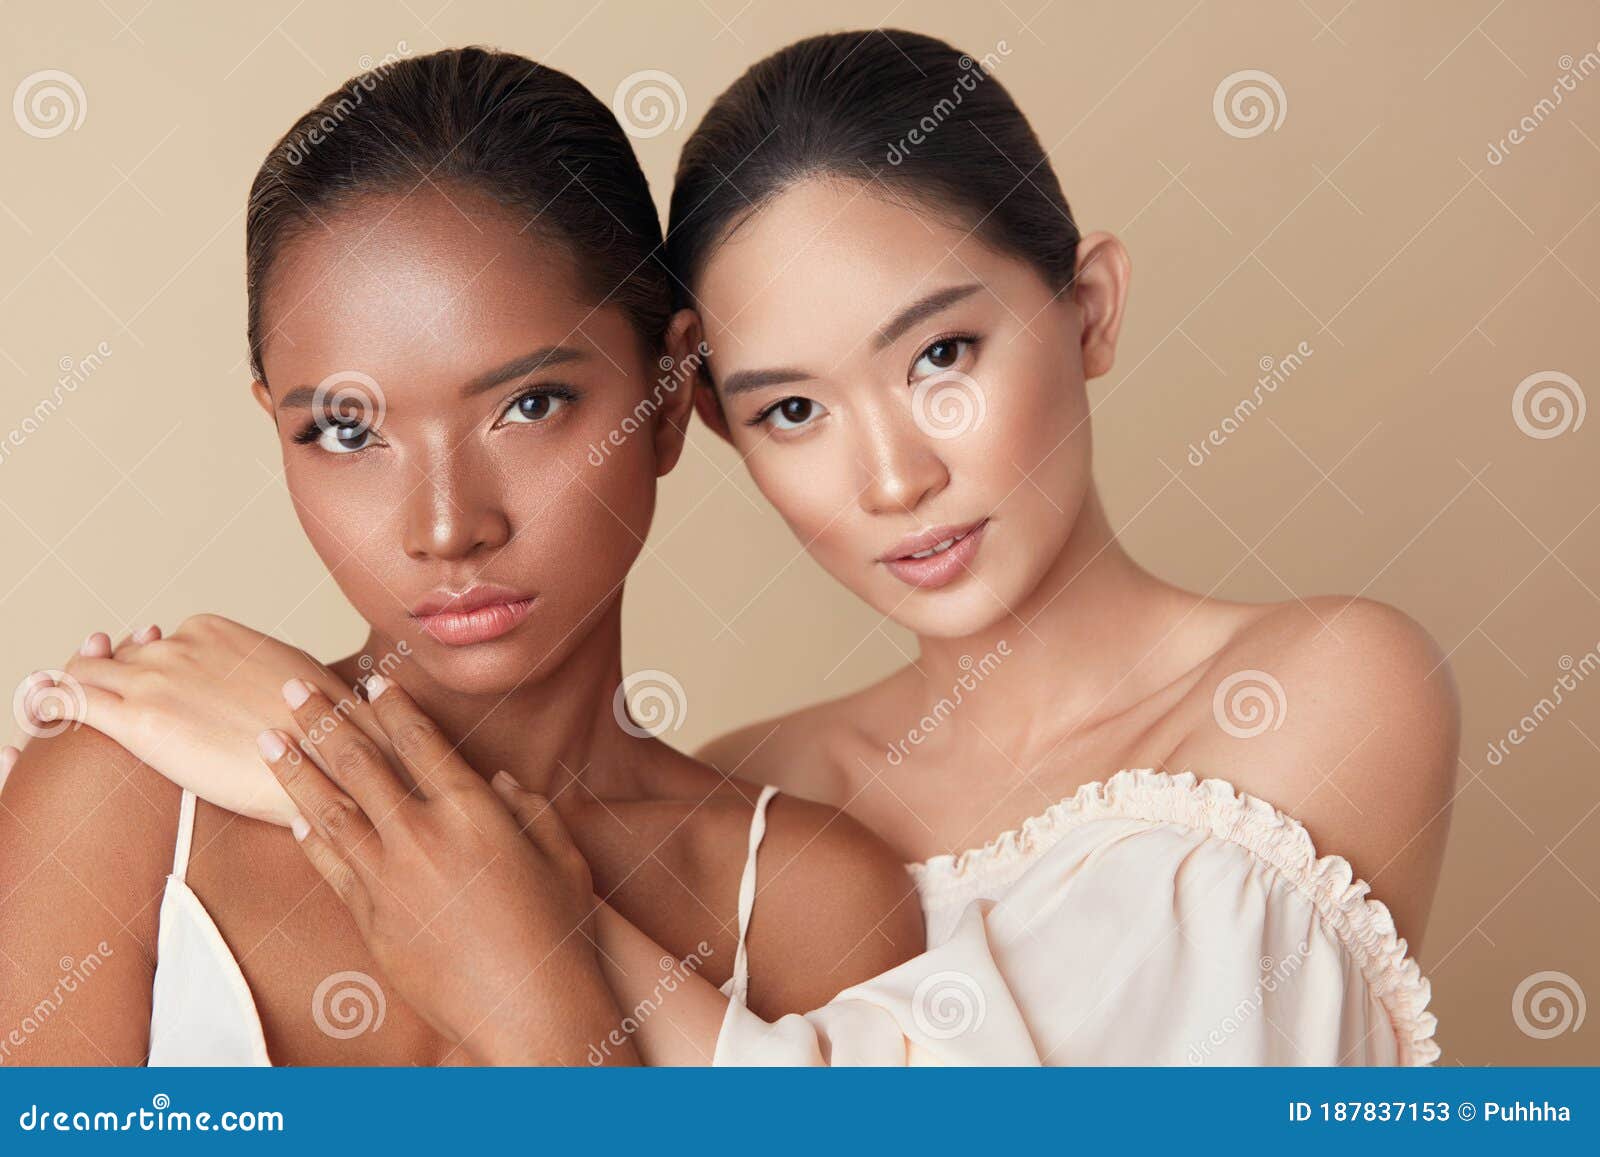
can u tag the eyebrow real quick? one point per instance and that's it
(529, 363)
(890, 332)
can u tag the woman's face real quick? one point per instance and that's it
(895, 383)
(438, 380)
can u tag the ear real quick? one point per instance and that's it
(263, 398)
(1100, 291)
(674, 389)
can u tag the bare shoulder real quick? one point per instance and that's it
(1342, 712)
(802, 752)
(835, 907)
(86, 838)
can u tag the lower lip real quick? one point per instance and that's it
(939, 570)
(463, 628)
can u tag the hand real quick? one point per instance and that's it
(482, 924)
(190, 706)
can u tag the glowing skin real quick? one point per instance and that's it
(859, 466)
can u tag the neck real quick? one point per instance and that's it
(553, 730)
(1084, 645)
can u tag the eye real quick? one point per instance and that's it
(336, 437)
(537, 405)
(943, 355)
(790, 414)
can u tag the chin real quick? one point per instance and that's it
(967, 607)
(495, 668)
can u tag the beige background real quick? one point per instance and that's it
(1369, 224)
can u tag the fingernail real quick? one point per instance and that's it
(506, 781)
(376, 685)
(299, 827)
(295, 692)
(271, 746)
(84, 649)
(143, 634)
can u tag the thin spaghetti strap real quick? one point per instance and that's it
(739, 983)
(180, 855)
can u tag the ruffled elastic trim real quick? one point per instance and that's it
(1364, 926)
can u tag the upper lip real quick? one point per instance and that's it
(477, 595)
(925, 539)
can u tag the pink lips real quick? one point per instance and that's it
(475, 615)
(943, 568)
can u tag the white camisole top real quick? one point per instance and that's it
(202, 1011)
(1149, 919)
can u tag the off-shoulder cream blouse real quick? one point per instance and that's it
(1150, 919)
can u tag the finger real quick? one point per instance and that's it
(147, 634)
(96, 646)
(426, 751)
(109, 674)
(535, 813)
(134, 640)
(352, 759)
(51, 705)
(336, 818)
(335, 868)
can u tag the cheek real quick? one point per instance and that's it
(812, 486)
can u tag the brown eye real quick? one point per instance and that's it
(942, 355)
(793, 413)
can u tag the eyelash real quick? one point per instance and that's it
(312, 431)
(971, 339)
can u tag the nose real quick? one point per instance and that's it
(453, 511)
(904, 466)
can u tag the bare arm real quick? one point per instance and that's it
(86, 839)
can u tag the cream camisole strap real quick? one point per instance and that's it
(201, 1009)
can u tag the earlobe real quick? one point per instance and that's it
(1100, 290)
